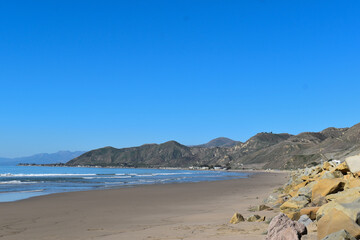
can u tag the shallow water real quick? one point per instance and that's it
(20, 182)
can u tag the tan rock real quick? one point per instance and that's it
(352, 183)
(343, 167)
(346, 196)
(350, 208)
(335, 221)
(236, 218)
(305, 178)
(312, 227)
(326, 166)
(293, 215)
(253, 218)
(318, 201)
(327, 186)
(262, 207)
(310, 212)
(295, 203)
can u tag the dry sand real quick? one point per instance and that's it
(171, 211)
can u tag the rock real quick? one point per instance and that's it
(352, 183)
(343, 167)
(294, 189)
(346, 196)
(326, 166)
(271, 199)
(281, 227)
(335, 221)
(318, 201)
(307, 190)
(312, 227)
(262, 207)
(293, 215)
(337, 174)
(310, 212)
(262, 219)
(351, 209)
(253, 218)
(340, 235)
(236, 218)
(304, 219)
(294, 203)
(327, 175)
(353, 163)
(327, 186)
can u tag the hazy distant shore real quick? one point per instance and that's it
(170, 211)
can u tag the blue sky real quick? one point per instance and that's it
(79, 75)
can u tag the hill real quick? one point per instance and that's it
(219, 142)
(264, 150)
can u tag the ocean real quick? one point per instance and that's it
(21, 182)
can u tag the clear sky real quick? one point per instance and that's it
(79, 75)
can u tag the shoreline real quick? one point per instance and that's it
(199, 210)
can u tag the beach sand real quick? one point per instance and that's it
(154, 212)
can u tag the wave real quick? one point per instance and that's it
(16, 182)
(106, 177)
(46, 175)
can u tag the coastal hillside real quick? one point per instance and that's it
(264, 150)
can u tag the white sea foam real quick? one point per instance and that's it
(45, 175)
(15, 182)
(104, 177)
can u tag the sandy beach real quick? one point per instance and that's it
(155, 212)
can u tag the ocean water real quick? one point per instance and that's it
(20, 182)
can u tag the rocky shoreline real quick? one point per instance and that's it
(321, 202)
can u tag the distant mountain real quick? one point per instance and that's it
(264, 150)
(219, 142)
(43, 158)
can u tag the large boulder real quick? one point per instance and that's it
(283, 228)
(236, 218)
(340, 235)
(335, 221)
(327, 186)
(352, 182)
(351, 209)
(346, 196)
(353, 163)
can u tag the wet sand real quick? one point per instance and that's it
(154, 212)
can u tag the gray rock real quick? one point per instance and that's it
(304, 219)
(282, 227)
(340, 235)
(353, 163)
(327, 175)
(307, 190)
